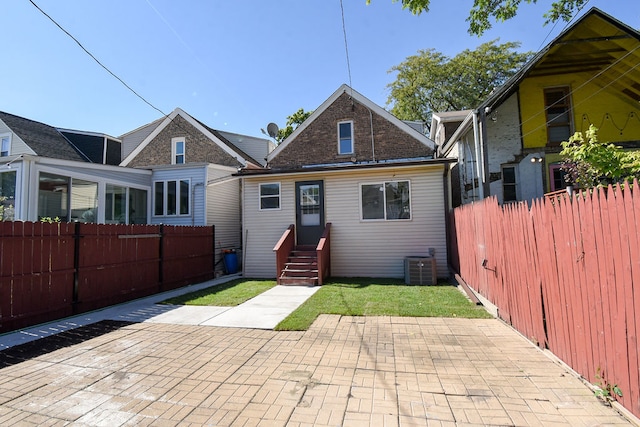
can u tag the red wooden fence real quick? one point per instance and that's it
(566, 274)
(50, 271)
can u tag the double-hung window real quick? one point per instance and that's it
(270, 196)
(388, 201)
(177, 151)
(5, 145)
(557, 104)
(171, 197)
(345, 137)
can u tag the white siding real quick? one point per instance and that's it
(223, 211)
(134, 138)
(262, 229)
(18, 146)
(196, 210)
(258, 148)
(358, 248)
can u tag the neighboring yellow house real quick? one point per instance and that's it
(509, 146)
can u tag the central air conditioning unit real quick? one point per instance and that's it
(420, 271)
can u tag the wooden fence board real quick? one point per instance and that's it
(593, 297)
(632, 207)
(619, 374)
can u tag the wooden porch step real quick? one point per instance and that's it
(299, 281)
(301, 268)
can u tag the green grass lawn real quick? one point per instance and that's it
(347, 297)
(382, 297)
(226, 294)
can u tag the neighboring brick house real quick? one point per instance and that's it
(390, 141)
(192, 172)
(370, 175)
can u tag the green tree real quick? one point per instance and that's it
(591, 163)
(431, 81)
(293, 121)
(501, 10)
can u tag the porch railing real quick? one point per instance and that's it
(283, 248)
(323, 251)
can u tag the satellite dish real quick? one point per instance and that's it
(273, 130)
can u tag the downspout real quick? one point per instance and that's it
(483, 147)
(373, 145)
(446, 178)
(193, 202)
(473, 181)
(479, 164)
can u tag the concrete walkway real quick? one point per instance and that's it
(344, 371)
(262, 312)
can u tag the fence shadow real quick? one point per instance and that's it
(30, 350)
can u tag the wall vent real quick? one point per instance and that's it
(420, 271)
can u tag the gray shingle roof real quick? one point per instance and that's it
(45, 140)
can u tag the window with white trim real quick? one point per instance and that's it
(269, 195)
(171, 197)
(7, 195)
(387, 201)
(5, 145)
(345, 137)
(178, 148)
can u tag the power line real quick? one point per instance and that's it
(165, 115)
(346, 48)
(573, 91)
(98, 61)
(565, 26)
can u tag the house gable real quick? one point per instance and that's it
(378, 136)
(202, 144)
(587, 75)
(595, 62)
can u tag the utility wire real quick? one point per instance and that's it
(573, 91)
(565, 26)
(97, 61)
(165, 115)
(346, 48)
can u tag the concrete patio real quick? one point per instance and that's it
(344, 371)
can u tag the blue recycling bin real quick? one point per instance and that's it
(231, 261)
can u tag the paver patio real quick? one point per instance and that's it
(344, 371)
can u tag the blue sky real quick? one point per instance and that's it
(235, 66)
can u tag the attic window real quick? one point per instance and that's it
(345, 137)
(177, 151)
(5, 148)
(557, 104)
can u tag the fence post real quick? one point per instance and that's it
(161, 259)
(213, 245)
(76, 267)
